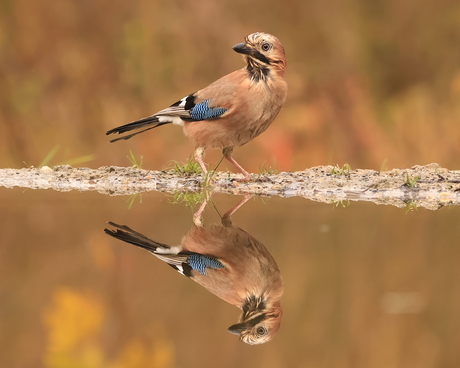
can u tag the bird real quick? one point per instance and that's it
(231, 111)
(229, 263)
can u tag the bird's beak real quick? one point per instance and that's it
(242, 48)
(238, 328)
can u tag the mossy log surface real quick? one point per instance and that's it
(429, 186)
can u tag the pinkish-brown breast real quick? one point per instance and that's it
(251, 108)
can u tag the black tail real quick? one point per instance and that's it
(151, 122)
(133, 237)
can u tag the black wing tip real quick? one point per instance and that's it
(128, 235)
(136, 124)
(124, 138)
(120, 229)
(149, 123)
(117, 234)
(109, 232)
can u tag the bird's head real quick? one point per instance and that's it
(262, 50)
(258, 324)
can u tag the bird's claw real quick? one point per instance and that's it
(263, 179)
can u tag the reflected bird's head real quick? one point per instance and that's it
(262, 52)
(258, 323)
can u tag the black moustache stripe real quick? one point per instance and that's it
(252, 322)
(257, 55)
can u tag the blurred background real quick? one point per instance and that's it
(375, 84)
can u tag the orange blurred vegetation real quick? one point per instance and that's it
(375, 84)
(74, 323)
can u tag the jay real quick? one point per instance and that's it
(229, 263)
(231, 111)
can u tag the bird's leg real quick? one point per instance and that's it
(199, 154)
(227, 151)
(227, 217)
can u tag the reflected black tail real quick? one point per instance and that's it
(128, 235)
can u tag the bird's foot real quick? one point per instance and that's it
(252, 179)
(263, 179)
(242, 180)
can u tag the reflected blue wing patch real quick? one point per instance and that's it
(199, 263)
(202, 111)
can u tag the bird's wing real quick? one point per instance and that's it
(189, 109)
(190, 264)
(184, 262)
(211, 102)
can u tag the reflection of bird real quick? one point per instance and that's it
(234, 109)
(229, 263)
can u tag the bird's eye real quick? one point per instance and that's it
(261, 331)
(266, 46)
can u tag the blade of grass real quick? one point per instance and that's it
(79, 160)
(49, 156)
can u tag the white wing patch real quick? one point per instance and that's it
(180, 269)
(176, 120)
(171, 250)
(182, 102)
(173, 114)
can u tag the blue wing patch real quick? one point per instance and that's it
(202, 111)
(199, 263)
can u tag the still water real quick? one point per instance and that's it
(364, 285)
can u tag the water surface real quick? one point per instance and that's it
(365, 285)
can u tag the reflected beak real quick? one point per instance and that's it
(238, 328)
